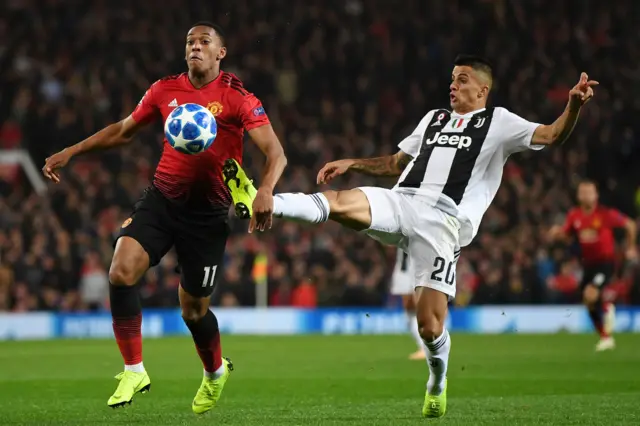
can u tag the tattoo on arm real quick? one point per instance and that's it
(403, 160)
(391, 165)
(380, 166)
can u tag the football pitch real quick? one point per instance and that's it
(329, 380)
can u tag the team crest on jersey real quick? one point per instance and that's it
(215, 107)
(480, 122)
(596, 223)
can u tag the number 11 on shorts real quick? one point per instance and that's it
(209, 276)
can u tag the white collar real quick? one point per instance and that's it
(467, 115)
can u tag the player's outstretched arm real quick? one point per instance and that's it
(390, 165)
(557, 233)
(631, 231)
(267, 140)
(113, 135)
(561, 129)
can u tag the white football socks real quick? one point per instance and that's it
(415, 333)
(216, 374)
(136, 368)
(438, 358)
(311, 208)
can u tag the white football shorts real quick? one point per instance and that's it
(429, 235)
(402, 278)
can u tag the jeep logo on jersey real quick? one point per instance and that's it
(451, 140)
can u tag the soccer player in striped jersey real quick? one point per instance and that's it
(449, 170)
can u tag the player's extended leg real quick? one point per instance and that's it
(241, 188)
(432, 309)
(203, 325)
(601, 316)
(409, 304)
(350, 208)
(143, 240)
(200, 250)
(130, 262)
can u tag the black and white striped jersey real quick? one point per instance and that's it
(458, 160)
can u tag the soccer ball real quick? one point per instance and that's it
(190, 129)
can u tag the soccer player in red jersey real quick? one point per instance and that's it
(593, 224)
(186, 207)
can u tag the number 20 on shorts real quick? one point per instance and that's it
(209, 276)
(439, 263)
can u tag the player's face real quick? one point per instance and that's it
(203, 50)
(587, 195)
(466, 91)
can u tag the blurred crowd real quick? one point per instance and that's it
(338, 78)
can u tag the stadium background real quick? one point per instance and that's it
(338, 79)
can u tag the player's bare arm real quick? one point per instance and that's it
(561, 129)
(556, 233)
(390, 165)
(116, 134)
(631, 231)
(267, 140)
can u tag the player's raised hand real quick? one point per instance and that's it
(333, 169)
(583, 91)
(262, 217)
(555, 233)
(54, 163)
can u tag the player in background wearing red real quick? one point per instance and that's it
(187, 207)
(593, 224)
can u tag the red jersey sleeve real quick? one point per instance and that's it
(615, 219)
(147, 108)
(567, 228)
(252, 113)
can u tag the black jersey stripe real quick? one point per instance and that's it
(416, 175)
(465, 160)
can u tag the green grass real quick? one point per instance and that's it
(320, 380)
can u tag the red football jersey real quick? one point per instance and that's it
(595, 232)
(196, 180)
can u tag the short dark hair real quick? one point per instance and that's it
(217, 28)
(473, 61)
(478, 63)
